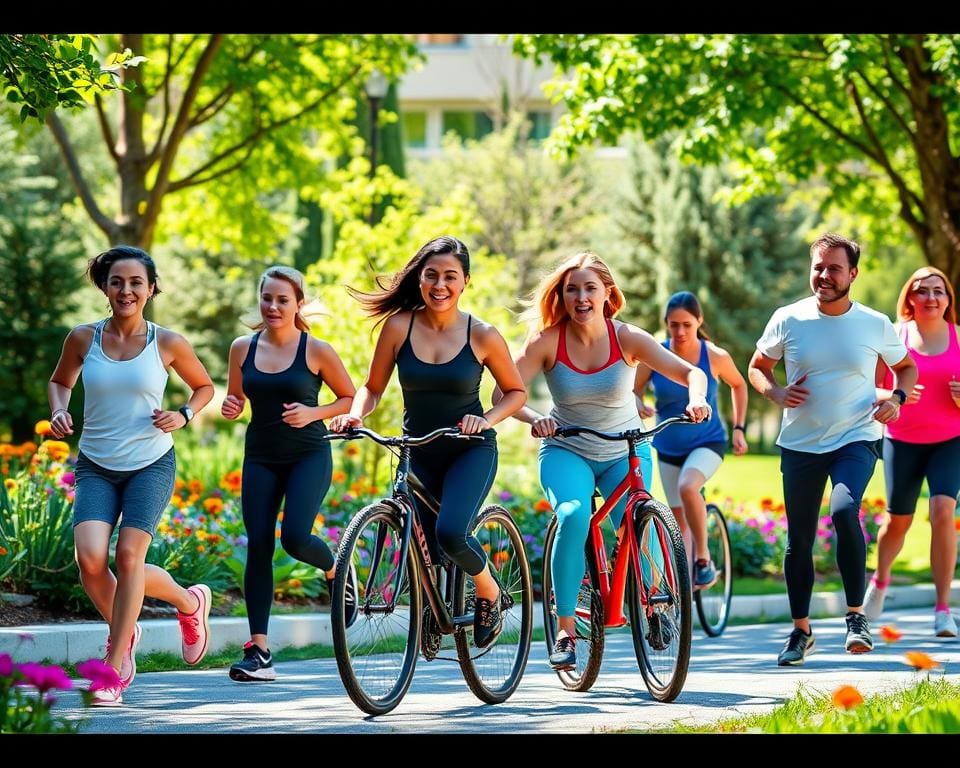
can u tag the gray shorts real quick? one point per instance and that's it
(141, 495)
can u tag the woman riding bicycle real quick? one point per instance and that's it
(687, 458)
(588, 361)
(440, 353)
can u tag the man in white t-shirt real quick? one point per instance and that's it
(831, 426)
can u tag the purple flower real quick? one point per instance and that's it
(6, 665)
(505, 495)
(241, 540)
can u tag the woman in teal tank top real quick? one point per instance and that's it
(589, 361)
(440, 352)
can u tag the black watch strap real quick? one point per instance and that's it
(741, 427)
(186, 412)
(901, 394)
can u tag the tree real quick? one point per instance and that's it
(260, 112)
(678, 235)
(876, 116)
(39, 281)
(43, 72)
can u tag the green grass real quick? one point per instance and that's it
(931, 705)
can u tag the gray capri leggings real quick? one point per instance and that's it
(136, 497)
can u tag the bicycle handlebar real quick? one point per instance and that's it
(629, 434)
(355, 433)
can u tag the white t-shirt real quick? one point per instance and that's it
(839, 356)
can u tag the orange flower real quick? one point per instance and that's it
(500, 559)
(351, 450)
(846, 697)
(179, 484)
(334, 502)
(766, 503)
(213, 505)
(890, 634)
(956, 524)
(43, 428)
(201, 548)
(231, 481)
(320, 519)
(280, 517)
(195, 487)
(295, 583)
(920, 660)
(3, 551)
(339, 476)
(542, 505)
(880, 502)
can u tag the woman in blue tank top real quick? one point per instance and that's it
(126, 467)
(588, 360)
(687, 458)
(280, 369)
(440, 353)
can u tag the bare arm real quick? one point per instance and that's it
(496, 357)
(761, 376)
(233, 403)
(728, 373)
(381, 367)
(640, 382)
(530, 363)
(179, 355)
(64, 379)
(322, 358)
(905, 378)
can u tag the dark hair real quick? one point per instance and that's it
(403, 291)
(832, 240)
(688, 302)
(98, 268)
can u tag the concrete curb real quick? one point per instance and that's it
(79, 641)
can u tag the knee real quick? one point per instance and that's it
(129, 559)
(294, 545)
(451, 539)
(91, 564)
(689, 491)
(898, 525)
(572, 515)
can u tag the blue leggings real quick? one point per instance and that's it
(301, 484)
(568, 480)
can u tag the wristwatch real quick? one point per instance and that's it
(901, 394)
(741, 427)
(187, 412)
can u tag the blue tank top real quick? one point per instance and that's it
(439, 394)
(269, 438)
(672, 399)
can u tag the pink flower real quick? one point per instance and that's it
(6, 665)
(44, 678)
(99, 673)
(68, 478)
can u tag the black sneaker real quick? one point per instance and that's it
(704, 574)
(858, 634)
(349, 597)
(564, 654)
(798, 646)
(487, 622)
(256, 665)
(660, 633)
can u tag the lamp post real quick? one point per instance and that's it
(376, 88)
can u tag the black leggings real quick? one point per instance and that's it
(460, 477)
(804, 479)
(302, 484)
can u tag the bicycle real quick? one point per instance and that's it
(713, 602)
(648, 567)
(386, 544)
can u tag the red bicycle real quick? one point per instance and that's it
(647, 569)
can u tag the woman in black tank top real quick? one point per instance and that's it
(440, 353)
(281, 369)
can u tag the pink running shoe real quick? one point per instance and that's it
(128, 664)
(195, 627)
(108, 697)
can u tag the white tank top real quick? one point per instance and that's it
(119, 399)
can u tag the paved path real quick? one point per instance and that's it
(736, 673)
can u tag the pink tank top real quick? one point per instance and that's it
(935, 418)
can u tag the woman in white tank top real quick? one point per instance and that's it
(126, 467)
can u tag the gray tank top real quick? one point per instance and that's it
(601, 399)
(118, 401)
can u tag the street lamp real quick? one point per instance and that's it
(376, 88)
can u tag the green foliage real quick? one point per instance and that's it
(43, 72)
(874, 116)
(38, 280)
(533, 209)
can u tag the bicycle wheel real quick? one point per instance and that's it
(658, 600)
(494, 672)
(377, 653)
(713, 604)
(589, 622)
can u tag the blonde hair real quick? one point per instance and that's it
(905, 311)
(307, 313)
(547, 302)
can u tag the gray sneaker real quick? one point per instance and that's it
(858, 634)
(798, 646)
(944, 625)
(873, 601)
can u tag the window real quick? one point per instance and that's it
(414, 129)
(467, 125)
(539, 125)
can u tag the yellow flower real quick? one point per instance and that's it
(213, 505)
(43, 428)
(351, 450)
(295, 583)
(10, 484)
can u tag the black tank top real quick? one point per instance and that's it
(438, 394)
(269, 438)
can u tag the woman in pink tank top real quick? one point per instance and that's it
(925, 442)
